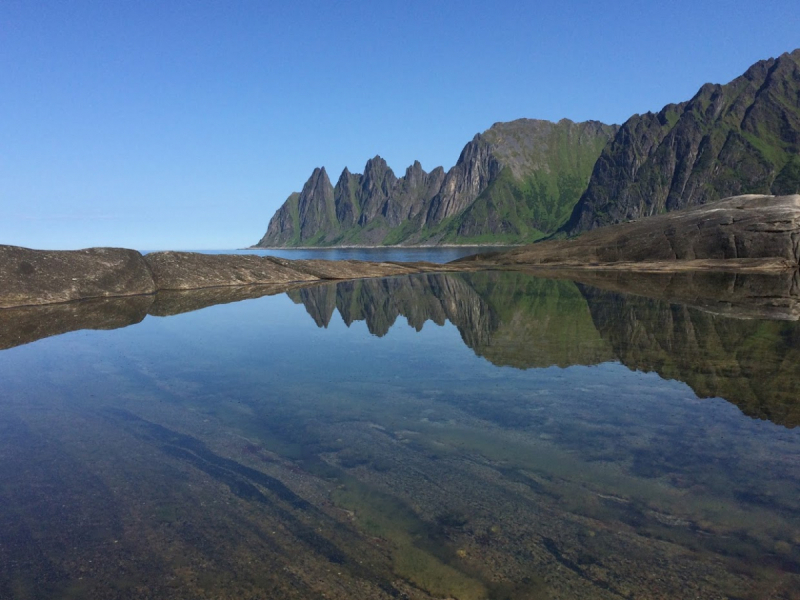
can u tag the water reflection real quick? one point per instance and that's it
(245, 450)
(517, 320)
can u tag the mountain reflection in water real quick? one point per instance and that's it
(512, 319)
(242, 451)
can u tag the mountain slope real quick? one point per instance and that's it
(517, 180)
(738, 138)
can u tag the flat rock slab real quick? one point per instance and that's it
(744, 232)
(190, 270)
(31, 277)
(354, 269)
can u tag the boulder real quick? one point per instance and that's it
(30, 277)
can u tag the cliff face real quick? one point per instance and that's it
(519, 180)
(739, 138)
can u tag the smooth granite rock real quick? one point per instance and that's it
(44, 276)
(190, 270)
(741, 234)
(744, 232)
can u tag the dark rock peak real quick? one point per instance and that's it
(415, 175)
(739, 138)
(345, 176)
(319, 176)
(377, 170)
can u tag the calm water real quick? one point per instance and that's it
(473, 436)
(435, 255)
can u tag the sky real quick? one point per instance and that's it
(186, 124)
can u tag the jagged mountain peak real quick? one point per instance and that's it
(522, 179)
(378, 207)
(742, 137)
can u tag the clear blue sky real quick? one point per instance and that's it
(167, 124)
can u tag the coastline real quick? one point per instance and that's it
(392, 247)
(742, 234)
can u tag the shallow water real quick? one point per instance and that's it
(471, 436)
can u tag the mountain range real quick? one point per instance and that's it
(523, 180)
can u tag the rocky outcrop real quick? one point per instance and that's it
(36, 277)
(476, 168)
(522, 180)
(739, 138)
(518, 179)
(756, 232)
(44, 277)
(189, 270)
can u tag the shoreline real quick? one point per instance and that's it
(361, 247)
(751, 233)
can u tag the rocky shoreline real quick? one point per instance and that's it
(747, 234)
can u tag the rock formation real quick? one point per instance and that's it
(522, 180)
(44, 277)
(519, 180)
(745, 233)
(759, 232)
(739, 138)
(36, 277)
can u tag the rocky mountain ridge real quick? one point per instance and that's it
(728, 140)
(517, 180)
(522, 180)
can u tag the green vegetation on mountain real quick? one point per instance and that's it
(514, 183)
(523, 180)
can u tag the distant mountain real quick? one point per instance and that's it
(517, 181)
(739, 138)
(520, 181)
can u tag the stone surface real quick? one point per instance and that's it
(743, 232)
(189, 270)
(36, 277)
(43, 277)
